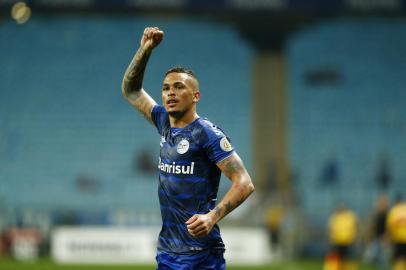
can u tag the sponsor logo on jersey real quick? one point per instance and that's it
(182, 146)
(175, 168)
(225, 145)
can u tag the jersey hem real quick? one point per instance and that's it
(191, 252)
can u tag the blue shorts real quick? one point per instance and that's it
(204, 260)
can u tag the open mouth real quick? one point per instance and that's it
(171, 103)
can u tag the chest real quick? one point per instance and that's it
(178, 145)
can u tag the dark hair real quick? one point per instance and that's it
(181, 70)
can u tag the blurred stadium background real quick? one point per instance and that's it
(312, 94)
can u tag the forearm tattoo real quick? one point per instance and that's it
(221, 211)
(134, 74)
(228, 207)
(217, 211)
(232, 166)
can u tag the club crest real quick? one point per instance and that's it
(183, 146)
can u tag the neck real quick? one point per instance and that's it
(184, 120)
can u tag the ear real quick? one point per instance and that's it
(196, 96)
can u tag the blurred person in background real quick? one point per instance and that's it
(144, 162)
(194, 153)
(383, 175)
(330, 173)
(274, 219)
(377, 251)
(396, 228)
(343, 232)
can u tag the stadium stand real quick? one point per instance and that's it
(347, 101)
(69, 140)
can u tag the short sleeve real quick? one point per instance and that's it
(159, 117)
(217, 146)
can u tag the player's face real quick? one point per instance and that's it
(179, 93)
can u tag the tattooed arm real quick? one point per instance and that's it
(241, 188)
(134, 75)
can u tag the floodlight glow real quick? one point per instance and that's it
(20, 12)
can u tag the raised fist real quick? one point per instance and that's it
(151, 38)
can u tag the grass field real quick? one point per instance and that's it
(46, 264)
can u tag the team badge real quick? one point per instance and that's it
(225, 145)
(183, 146)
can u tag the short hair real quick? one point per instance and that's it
(181, 70)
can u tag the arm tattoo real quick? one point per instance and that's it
(134, 74)
(143, 108)
(240, 201)
(234, 169)
(217, 211)
(233, 166)
(228, 208)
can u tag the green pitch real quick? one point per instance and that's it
(46, 264)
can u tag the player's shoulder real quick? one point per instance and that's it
(159, 109)
(209, 129)
(160, 119)
(211, 135)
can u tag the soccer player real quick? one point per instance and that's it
(396, 228)
(343, 229)
(377, 250)
(194, 152)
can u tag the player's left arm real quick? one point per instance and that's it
(241, 188)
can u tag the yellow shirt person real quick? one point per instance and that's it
(343, 228)
(396, 223)
(396, 229)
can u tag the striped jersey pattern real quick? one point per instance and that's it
(188, 180)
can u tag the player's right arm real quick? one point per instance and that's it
(131, 87)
